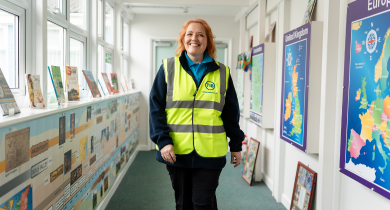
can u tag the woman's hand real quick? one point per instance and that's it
(168, 153)
(236, 158)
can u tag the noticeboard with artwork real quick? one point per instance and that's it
(304, 186)
(250, 160)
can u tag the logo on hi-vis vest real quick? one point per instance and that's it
(210, 85)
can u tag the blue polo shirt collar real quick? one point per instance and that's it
(206, 59)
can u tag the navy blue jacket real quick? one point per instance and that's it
(159, 130)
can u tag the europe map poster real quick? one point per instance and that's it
(256, 77)
(365, 132)
(294, 86)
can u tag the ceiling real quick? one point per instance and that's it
(199, 7)
(176, 9)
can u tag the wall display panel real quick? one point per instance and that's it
(365, 132)
(262, 87)
(300, 107)
(240, 84)
(40, 170)
(256, 77)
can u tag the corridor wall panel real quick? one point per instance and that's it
(70, 159)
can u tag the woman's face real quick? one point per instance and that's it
(195, 39)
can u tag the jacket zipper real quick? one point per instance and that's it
(193, 129)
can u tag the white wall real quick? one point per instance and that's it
(146, 27)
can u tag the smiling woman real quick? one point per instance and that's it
(193, 109)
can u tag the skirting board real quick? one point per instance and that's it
(143, 148)
(107, 199)
(268, 181)
(286, 201)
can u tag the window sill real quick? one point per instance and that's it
(28, 114)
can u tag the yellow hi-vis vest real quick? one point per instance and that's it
(194, 115)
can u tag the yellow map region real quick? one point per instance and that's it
(378, 66)
(287, 114)
(356, 26)
(83, 148)
(8, 206)
(367, 122)
(294, 81)
(357, 98)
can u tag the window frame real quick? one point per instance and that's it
(80, 38)
(22, 45)
(63, 13)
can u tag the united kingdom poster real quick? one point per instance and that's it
(365, 132)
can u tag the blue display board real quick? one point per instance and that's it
(293, 122)
(365, 132)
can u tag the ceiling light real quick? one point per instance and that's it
(185, 10)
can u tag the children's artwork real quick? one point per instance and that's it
(61, 134)
(304, 185)
(108, 84)
(309, 11)
(72, 125)
(246, 61)
(7, 100)
(124, 84)
(34, 90)
(67, 161)
(17, 148)
(72, 83)
(89, 113)
(57, 83)
(114, 81)
(250, 160)
(91, 83)
(270, 36)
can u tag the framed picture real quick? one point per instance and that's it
(250, 160)
(304, 186)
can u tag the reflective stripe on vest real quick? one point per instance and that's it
(194, 115)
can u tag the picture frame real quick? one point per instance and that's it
(250, 160)
(304, 187)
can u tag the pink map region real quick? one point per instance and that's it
(356, 145)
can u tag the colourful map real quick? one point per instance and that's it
(21, 201)
(367, 150)
(294, 91)
(240, 90)
(256, 94)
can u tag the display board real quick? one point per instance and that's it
(295, 80)
(256, 78)
(68, 160)
(365, 132)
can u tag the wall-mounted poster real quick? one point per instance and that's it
(250, 160)
(304, 186)
(256, 76)
(365, 131)
(295, 82)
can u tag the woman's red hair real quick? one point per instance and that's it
(211, 49)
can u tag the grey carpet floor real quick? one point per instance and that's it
(146, 185)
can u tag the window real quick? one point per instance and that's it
(9, 49)
(55, 50)
(100, 59)
(125, 36)
(55, 6)
(100, 18)
(125, 67)
(77, 13)
(76, 57)
(108, 63)
(109, 23)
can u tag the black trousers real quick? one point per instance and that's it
(194, 187)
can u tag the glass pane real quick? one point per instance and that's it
(9, 50)
(54, 6)
(108, 62)
(77, 11)
(125, 69)
(76, 57)
(100, 59)
(125, 37)
(55, 50)
(109, 20)
(100, 18)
